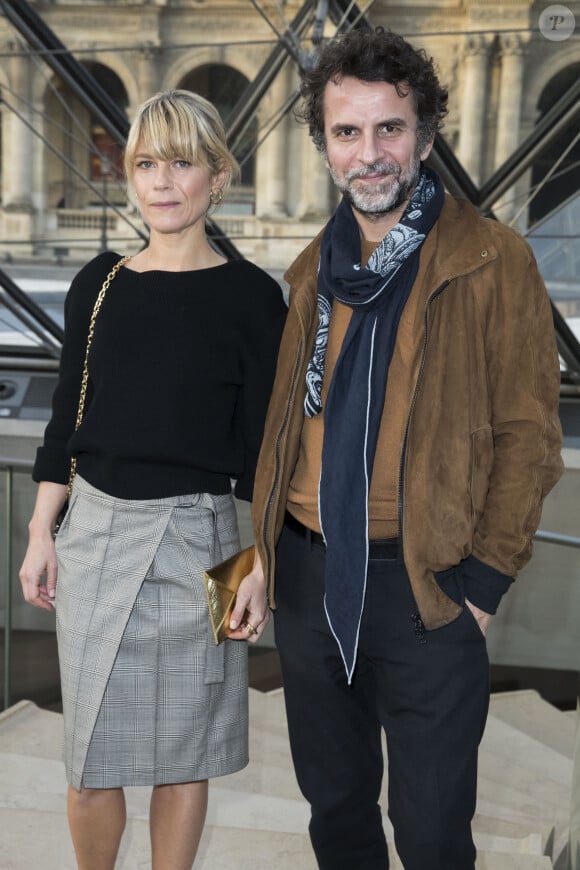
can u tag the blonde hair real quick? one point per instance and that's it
(180, 124)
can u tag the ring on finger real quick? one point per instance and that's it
(250, 629)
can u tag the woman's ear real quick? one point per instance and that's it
(221, 177)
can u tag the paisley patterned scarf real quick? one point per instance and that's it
(377, 294)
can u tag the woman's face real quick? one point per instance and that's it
(173, 195)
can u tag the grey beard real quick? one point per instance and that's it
(374, 205)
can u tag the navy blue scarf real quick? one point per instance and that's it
(377, 294)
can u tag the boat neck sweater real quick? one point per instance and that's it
(181, 369)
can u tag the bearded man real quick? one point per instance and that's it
(412, 435)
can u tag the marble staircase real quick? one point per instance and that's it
(257, 818)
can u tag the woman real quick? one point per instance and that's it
(180, 369)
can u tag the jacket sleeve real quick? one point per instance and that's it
(524, 384)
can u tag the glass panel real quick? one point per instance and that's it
(555, 244)
(224, 86)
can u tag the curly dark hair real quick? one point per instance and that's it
(374, 56)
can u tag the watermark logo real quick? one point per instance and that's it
(557, 23)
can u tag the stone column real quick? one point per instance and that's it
(473, 105)
(149, 58)
(5, 114)
(17, 163)
(509, 113)
(314, 202)
(38, 169)
(272, 156)
(16, 215)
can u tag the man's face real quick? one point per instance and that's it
(372, 150)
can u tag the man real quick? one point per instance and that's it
(412, 435)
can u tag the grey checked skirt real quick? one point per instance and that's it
(148, 698)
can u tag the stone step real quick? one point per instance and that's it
(501, 777)
(27, 729)
(538, 835)
(512, 745)
(513, 805)
(34, 839)
(531, 715)
(258, 814)
(526, 765)
(527, 836)
(508, 861)
(267, 711)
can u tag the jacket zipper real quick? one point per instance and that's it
(433, 296)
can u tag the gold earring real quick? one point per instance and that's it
(216, 196)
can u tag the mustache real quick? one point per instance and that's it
(374, 169)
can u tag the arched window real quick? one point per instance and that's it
(224, 86)
(81, 146)
(566, 179)
(107, 153)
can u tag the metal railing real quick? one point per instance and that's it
(9, 467)
(555, 538)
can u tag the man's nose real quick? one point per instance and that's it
(371, 148)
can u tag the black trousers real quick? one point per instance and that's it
(429, 691)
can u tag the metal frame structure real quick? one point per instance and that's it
(63, 63)
(346, 13)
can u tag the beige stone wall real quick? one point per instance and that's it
(490, 54)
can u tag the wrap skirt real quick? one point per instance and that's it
(148, 698)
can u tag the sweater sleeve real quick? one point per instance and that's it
(263, 333)
(483, 585)
(53, 458)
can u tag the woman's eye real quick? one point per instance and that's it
(182, 164)
(144, 164)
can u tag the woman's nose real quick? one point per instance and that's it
(162, 176)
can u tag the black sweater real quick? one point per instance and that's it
(180, 373)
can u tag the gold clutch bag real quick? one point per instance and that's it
(221, 585)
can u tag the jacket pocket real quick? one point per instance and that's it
(451, 583)
(65, 521)
(481, 464)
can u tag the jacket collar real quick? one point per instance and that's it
(459, 243)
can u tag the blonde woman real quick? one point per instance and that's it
(181, 366)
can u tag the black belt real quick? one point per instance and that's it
(383, 549)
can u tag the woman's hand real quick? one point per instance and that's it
(251, 613)
(39, 571)
(39, 568)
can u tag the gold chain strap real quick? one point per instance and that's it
(85, 377)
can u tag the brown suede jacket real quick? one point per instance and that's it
(483, 437)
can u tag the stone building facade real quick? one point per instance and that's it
(58, 165)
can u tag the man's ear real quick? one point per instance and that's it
(427, 149)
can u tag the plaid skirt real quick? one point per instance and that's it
(148, 698)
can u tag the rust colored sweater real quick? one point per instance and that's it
(383, 492)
